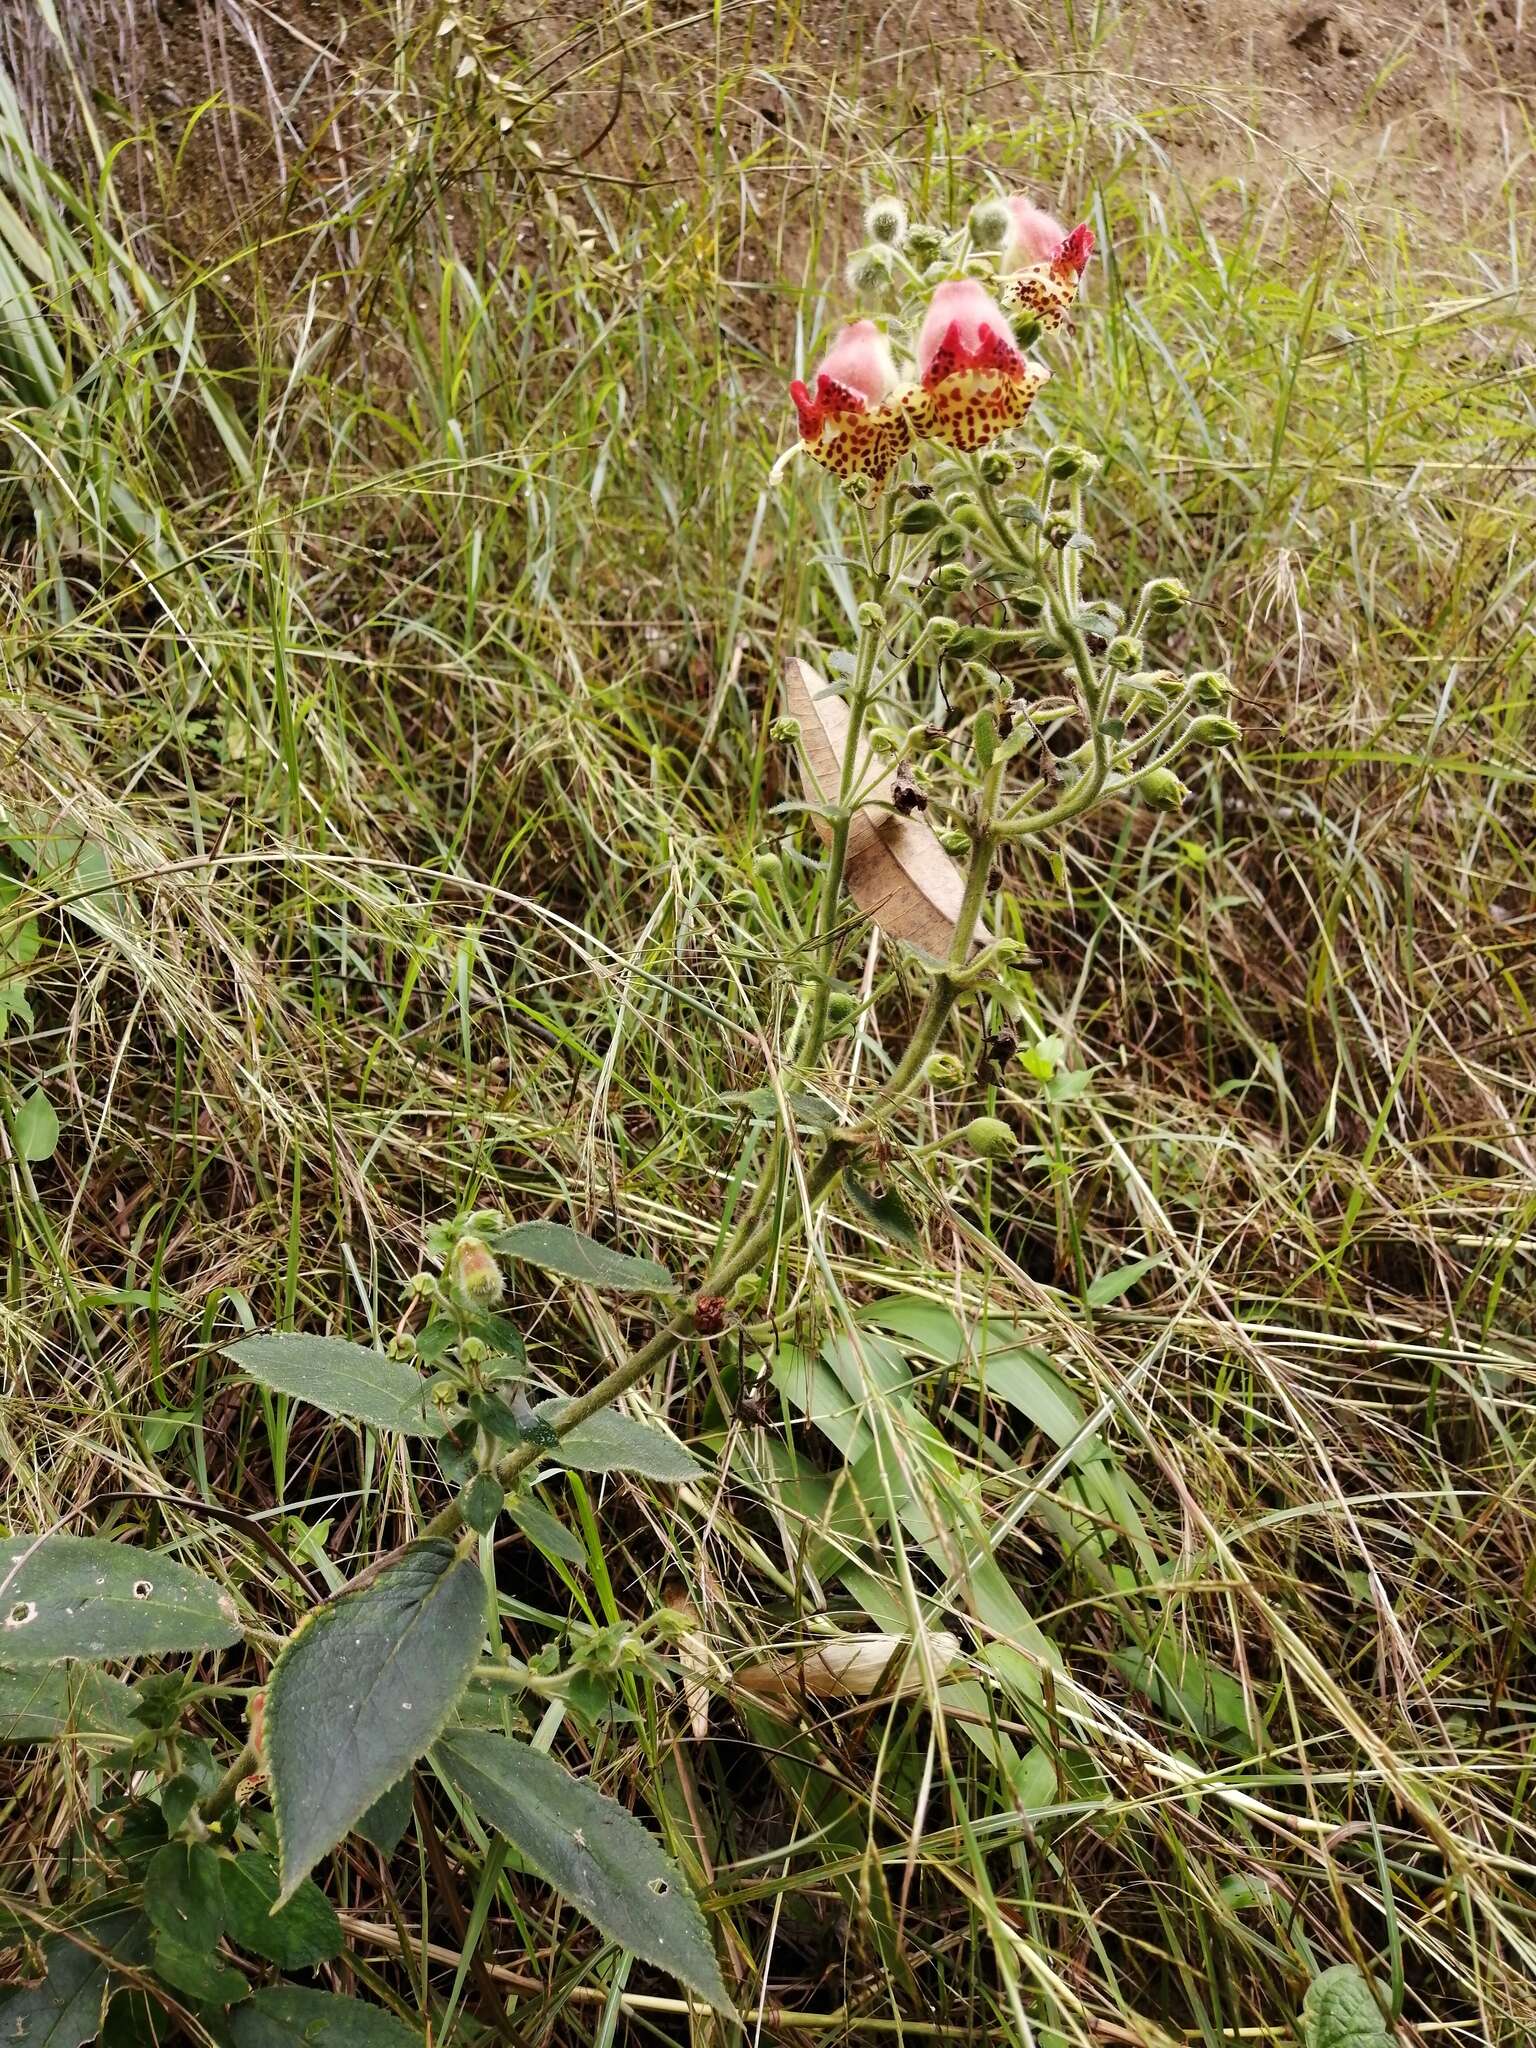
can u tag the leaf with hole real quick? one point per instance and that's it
(80, 1596)
(296, 1936)
(556, 1248)
(363, 1687)
(611, 1442)
(895, 869)
(591, 1850)
(1341, 2012)
(340, 1378)
(286, 2016)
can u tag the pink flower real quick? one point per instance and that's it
(1046, 288)
(976, 382)
(1034, 236)
(855, 418)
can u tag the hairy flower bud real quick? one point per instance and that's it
(924, 241)
(885, 741)
(942, 632)
(1059, 529)
(1064, 461)
(767, 866)
(950, 576)
(1161, 790)
(943, 1070)
(869, 268)
(784, 732)
(1124, 652)
(995, 467)
(990, 1137)
(885, 220)
(1211, 686)
(842, 1006)
(990, 223)
(871, 616)
(1165, 595)
(474, 1275)
(1212, 731)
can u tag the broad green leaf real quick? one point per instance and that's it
(64, 2010)
(197, 1972)
(184, 1895)
(1192, 1692)
(388, 1818)
(1340, 2012)
(611, 1442)
(80, 1596)
(55, 1702)
(361, 1690)
(887, 1212)
(546, 1532)
(35, 1127)
(480, 1502)
(303, 1933)
(591, 1850)
(287, 2017)
(556, 1248)
(342, 1379)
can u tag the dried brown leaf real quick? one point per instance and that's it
(896, 871)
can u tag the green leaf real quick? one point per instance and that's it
(547, 1532)
(480, 1502)
(184, 1895)
(1110, 1286)
(287, 2017)
(361, 1690)
(57, 1702)
(886, 1211)
(809, 1112)
(303, 1933)
(611, 1442)
(341, 1379)
(80, 1596)
(388, 1818)
(35, 1127)
(591, 1850)
(197, 1972)
(135, 2021)
(1341, 2012)
(64, 2010)
(556, 1248)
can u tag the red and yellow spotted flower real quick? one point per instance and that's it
(975, 380)
(1045, 289)
(857, 418)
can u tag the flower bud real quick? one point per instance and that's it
(954, 841)
(1064, 461)
(943, 1070)
(1166, 683)
(1212, 731)
(1211, 687)
(1124, 652)
(990, 222)
(923, 516)
(740, 899)
(403, 1346)
(967, 517)
(1165, 595)
(767, 867)
(923, 240)
(1161, 790)
(474, 1275)
(951, 576)
(941, 632)
(871, 616)
(990, 1137)
(473, 1351)
(885, 220)
(747, 1290)
(885, 741)
(1026, 333)
(784, 731)
(421, 1287)
(1059, 529)
(842, 1006)
(995, 467)
(868, 268)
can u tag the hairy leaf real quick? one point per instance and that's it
(361, 1690)
(80, 1596)
(1341, 2012)
(591, 1850)
(556, 1248)
(342, 1379)
(287, 2017)
(296, 1937)
(611, 1442)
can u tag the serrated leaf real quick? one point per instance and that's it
(64, 2010)
(57, 1702)
(35, 1127)
(556, 1248)
(304, 1932)
(361, 1690)
(895, 870)
(1341, 2012)
(80, 1596)
(591, 1850)
(388, 1818)
(285, 2016)
(611, 1442)
(341, 1378)
(184, 1895)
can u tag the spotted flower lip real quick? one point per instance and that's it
(857, 419)
(976, 381)
(1045, 290)
(1034, 236)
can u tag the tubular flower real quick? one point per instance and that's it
(975, 381)
(1033, 235)
(856, 417)
(1045, 290)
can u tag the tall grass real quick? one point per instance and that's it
(391, 623)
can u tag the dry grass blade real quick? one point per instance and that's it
(896, 872)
